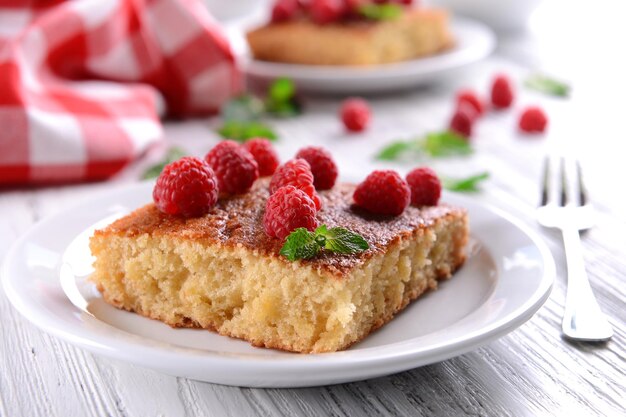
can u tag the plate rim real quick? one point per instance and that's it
(393, 361)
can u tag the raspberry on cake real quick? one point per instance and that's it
(383, 192)
(187, 187)
(234, 166)
(296, 172)
(323, 166)
(221, 271)
(286, 210)
(336, 32)
(264, 155)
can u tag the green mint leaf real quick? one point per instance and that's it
(467, 184)
(547, 85)
(242, 131)
(394, 151)
(300, 244)
(244, 108)
(443, 144)
(435, 145)
(282, 90)
(173, 154)
(283, 109)
(340, 240)
(380, 11)
(281, 100)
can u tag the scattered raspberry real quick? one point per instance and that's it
(187, 187)
(462, 121)
(470, 98)
(326, 11)
(425, 187)
(323, 167)
(284, 10)
(533, 120)
(286, 210)
(355, 114)
(383, 192)
(234, 166)
(296, 172)
(502, 92)
(264, 155)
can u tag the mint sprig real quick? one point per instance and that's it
(374, 11)
(467, 184)
(435, 145)
(547, 85)
(302, 244)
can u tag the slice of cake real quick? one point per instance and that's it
(222, 272)
(416, 33)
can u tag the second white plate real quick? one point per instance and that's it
(507, 277)
(474, 41)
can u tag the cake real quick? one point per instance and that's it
(221, 271)
(416, 33)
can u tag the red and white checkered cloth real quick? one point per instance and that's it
(80, 81)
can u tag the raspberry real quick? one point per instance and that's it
(501, 92)
(286, 210)
(235, 167)
(264, 154)
(284, 10)
(187, 187)
(533, 120)
(425, 187)
(355, 114)
(326, 11)
(323, 167)
(296, 172)
(383, 192)
(462, 121)
(470, 98)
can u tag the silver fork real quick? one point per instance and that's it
(565, 205)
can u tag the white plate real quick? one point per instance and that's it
(506, 278)
(474, 41)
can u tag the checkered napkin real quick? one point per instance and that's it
(80, 82)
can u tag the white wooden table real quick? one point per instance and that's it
(531, 371)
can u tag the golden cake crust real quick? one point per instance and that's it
(237, 221)
(418, 32)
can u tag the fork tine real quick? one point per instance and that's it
(545, 181)
(582, 190)
(563, 177)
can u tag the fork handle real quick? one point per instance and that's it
(583, 319)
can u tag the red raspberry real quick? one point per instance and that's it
(286, 210)
(264, 154)
(462, 121)
(296, 172)
(326, 11)
(533, 120)
(355, 114)
(425, 187)
(187, 187)
(383, 192)
(502, 94)
(235, 167)
(284, 10)
(323, 167)
(471, 99)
